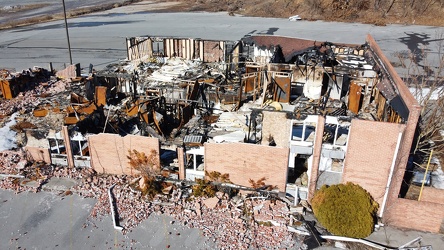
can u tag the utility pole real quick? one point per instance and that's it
(67, 34)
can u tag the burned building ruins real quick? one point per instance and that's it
(300, 113)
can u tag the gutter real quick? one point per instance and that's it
(113, 209)
(389, 180)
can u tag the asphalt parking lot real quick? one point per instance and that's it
(99, 38)
(46, 220)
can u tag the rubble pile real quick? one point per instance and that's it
(24, 102)
(230, 222)
(12, 162)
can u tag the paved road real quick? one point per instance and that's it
(47, 7)
(100, 38)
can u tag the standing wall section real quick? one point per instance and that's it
(109, 152)
(409, 134)
(248, 161)
(418, 215)
(370, 154)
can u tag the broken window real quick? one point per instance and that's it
(79, 145)
(303, 132)
(335, 132)
(58, 150)
(56, 146)
(195, 167)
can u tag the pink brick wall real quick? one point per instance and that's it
(38, 154)
(69, 72)
(370, 153)
(317, 149)
(248, 161)
(109, 151)
(213, 52)
(418, 215)
(434, 195)
(414, 112)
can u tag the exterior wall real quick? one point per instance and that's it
(248, 161)
(370, 153)
(182, 169)
(409, 134)
(69, 155)
(276, 125)
(139, 48)
(317, 149)
(72, 71)
(38, 154)
(213, 51)
(434, 195)
(109, 151)
(419, 215)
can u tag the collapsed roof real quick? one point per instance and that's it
(184, 90)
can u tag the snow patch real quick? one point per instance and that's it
(438, 178)
(7, 136)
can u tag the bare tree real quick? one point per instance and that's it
(426, 82)
(148, 167)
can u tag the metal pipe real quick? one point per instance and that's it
(425, 175)
(392, 169)
(67, 34)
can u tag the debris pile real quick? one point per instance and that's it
(12, 162)
(235, 222)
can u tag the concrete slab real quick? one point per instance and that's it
(59, 184)
(396, 237)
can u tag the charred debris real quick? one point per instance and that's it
(186, 92)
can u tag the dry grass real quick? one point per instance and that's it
(363, 11)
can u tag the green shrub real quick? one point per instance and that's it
(345, 210)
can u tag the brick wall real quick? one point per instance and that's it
(248, 161)
(38, 154)
(213, 51)
(72, 71)
(370, 152)
(434, 195)
(317, 149)
(418, 215)
(411, 123)
(276, 125)
(109, 151)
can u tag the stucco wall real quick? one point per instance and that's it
(248, 161)
(276, 125)
(109, 151)
(370, 153)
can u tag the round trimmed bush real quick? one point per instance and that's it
(345, 210)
